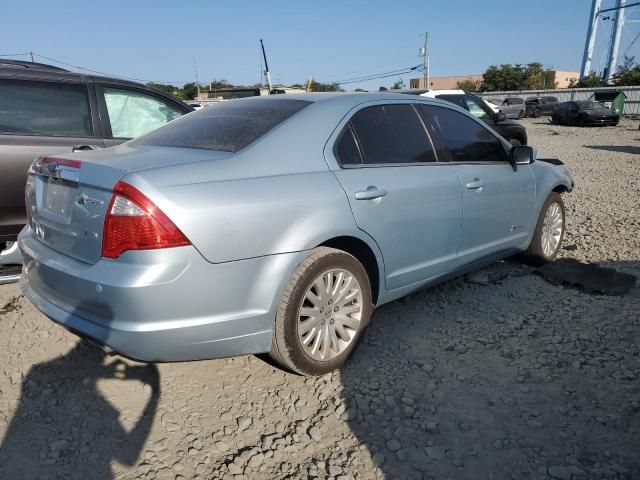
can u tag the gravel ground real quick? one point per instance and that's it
(514, 379)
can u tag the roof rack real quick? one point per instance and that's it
(5, 62)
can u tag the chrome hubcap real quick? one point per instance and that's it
(551, 229)
(329, 315)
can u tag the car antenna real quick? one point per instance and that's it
(266, 67)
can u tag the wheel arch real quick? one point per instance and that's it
(366, 255)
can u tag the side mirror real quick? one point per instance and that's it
(522, 155)
(499, 117)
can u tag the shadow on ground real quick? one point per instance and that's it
(68, 430)
(616, 148)
(473, 381)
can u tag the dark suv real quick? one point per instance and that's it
(513, 132)
(538, 106)
(46, 110)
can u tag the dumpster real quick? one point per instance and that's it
(614, 99)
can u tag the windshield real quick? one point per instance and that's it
(227, 126)
(589, 105)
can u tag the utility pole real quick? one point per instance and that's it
(309, 83)
(425, 55)
(266, 67)
(614, 42)
(31, 53)
(591, 39)
(195, 69)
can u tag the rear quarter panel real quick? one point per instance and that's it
(275, 196)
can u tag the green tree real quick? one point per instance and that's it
(325, 87)
(509, 77)
(360, 90)
(215, 84)
(505, 77)
(189, 91)
(469, 85)
(169, 89)
(398, 84)
(590, 81)
(628, 73)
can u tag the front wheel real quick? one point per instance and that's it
(549, 232)
(323, 312)
(520, 114)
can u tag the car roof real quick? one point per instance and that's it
(20, 71)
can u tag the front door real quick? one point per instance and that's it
(406, 200)
(497, 198)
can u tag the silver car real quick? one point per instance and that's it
(277, 224)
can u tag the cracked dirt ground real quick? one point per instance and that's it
(514, 379)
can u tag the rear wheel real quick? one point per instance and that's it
(520, 114)
(549, 232)
(515, 142)
(323, 313)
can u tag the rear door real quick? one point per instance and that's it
(39, 118)
(129, 112)
(497, 198)
(405, 199)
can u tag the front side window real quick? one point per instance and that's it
(132, 114)
(392, 134)
(476, 108)
(43, 108)
(226, 126)
(466, 139)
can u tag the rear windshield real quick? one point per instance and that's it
(227, 126)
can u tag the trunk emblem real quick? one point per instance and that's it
(85, 199)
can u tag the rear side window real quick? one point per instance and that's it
(227, 126)
(132, 114)
(43, 108)
(346, 149)
(466, 139)
(392, 134)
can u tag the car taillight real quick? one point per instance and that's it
(133, 222)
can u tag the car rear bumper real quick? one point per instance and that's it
(160, 305)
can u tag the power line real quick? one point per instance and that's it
(107, 74)
(375, 76)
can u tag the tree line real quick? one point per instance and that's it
(533, 76)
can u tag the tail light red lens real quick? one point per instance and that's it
(133, 222)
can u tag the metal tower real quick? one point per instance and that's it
(614, 42)
(591, 39)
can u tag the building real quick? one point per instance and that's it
(444, 83)
(562, 79)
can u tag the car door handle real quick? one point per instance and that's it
(371, 193)
(476, 184)
(80, 148)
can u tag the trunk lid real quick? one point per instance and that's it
(67, 196)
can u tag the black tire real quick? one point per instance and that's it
(581, 122)
(286, 348)
(534, 255)
(520, 114)
(536, 113)
(515, 142)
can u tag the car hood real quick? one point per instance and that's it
(601, 113)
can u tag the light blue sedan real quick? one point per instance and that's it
(278, 224)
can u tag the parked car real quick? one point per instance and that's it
(258, 225)
(539, 106)
(47, 110)
(584, 113)
(512, 107)
(513, 132)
